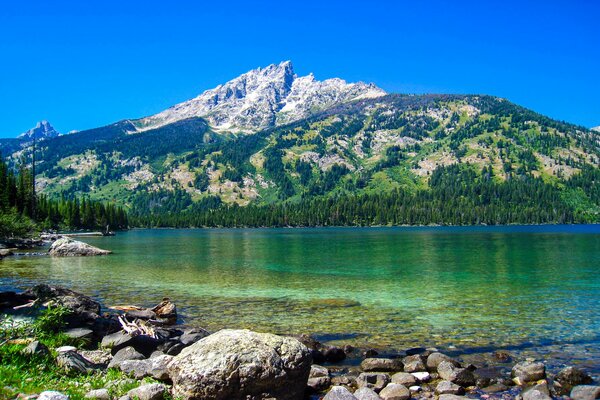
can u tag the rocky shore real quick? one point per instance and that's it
(60, 246)
(191, 363)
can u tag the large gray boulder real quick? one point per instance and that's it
(585, 392)
(67, 247)
(241, 364)
(339, 393)
(527, 371)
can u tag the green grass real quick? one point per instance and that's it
(30, 374)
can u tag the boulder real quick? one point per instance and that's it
(461, 376)
(415, 363)
(537, 392)
(585, 392)
(570, 377)
(333, 354)
(143, 314)
(80, 334)
(447, 387)
(339, 393)
(404, 378)
(422, 376)
(395, 391)
(451, 397)
(125, 354)
(82, 307)
(52, 395)
(191, 336)
(12, 299)
(381, 364)
(435, 359)
(153, 391)
(67, 247)
(318, 384)
(527, 371)
(241, 364)
(73, 362)
(98, 394)
(154, 367)
(373, 380)
(98, 357)
(495, 388)
(366, 394)
(143, 344)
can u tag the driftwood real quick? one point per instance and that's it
(136, 327)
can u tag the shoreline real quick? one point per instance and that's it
(345, 364)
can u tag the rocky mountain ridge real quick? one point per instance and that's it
(42, 130)
(262, 98)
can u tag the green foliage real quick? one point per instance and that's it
(50, 321)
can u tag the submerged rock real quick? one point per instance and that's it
(381, 364)
(67, 247)
(241, 364)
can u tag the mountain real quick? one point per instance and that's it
(323, 153)
(42, 130)
(263, 98)
(597, 129)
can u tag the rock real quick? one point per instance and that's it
(447, 387)
(570, 377)
(343, 380)
(495, 388)
(240, 364)
(98, 394)
(317, 371)
(52, 395)
(154, 367)
(192, 336)
(80, 333)
(64, 349)
(36, 348)
(370, 353)
(125, 354)
(333, 354)
(415, 389)
(339, 393)
(502, 356)
(318, 384)
(422, 376)
(435, 359)
(527, 371)
(461, 376)
(143, 344)
(366, 394)
(73, 362)
(11, 299)
(373, 380)
(585, 392)
(82, 307)
(143, 314)
(535, 394)
(451, 397)
(404, 378)
(98, 357)
(395, 391)
(414, 363)
(153, 391)
(415, 350)
(486, 376)
(166, 311)
(175, 349)
(67, 247)
(381, 364)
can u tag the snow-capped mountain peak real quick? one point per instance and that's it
(597, 128)
(42, 130)
(262, 98)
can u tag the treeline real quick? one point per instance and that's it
(21, 211)
(458, 195)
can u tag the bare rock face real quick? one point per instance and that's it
(67, 247)
(241, 364)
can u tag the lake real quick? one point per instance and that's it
(534, 290)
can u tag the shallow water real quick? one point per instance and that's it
(534, 290)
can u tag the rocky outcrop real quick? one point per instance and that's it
(81, 306)
(241, 364)
(67, 247)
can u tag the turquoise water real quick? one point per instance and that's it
(479, 289)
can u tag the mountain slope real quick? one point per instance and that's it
(262, 98)
(373, 160)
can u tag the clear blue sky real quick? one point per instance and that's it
(84, 64)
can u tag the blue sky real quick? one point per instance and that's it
(89, 63)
